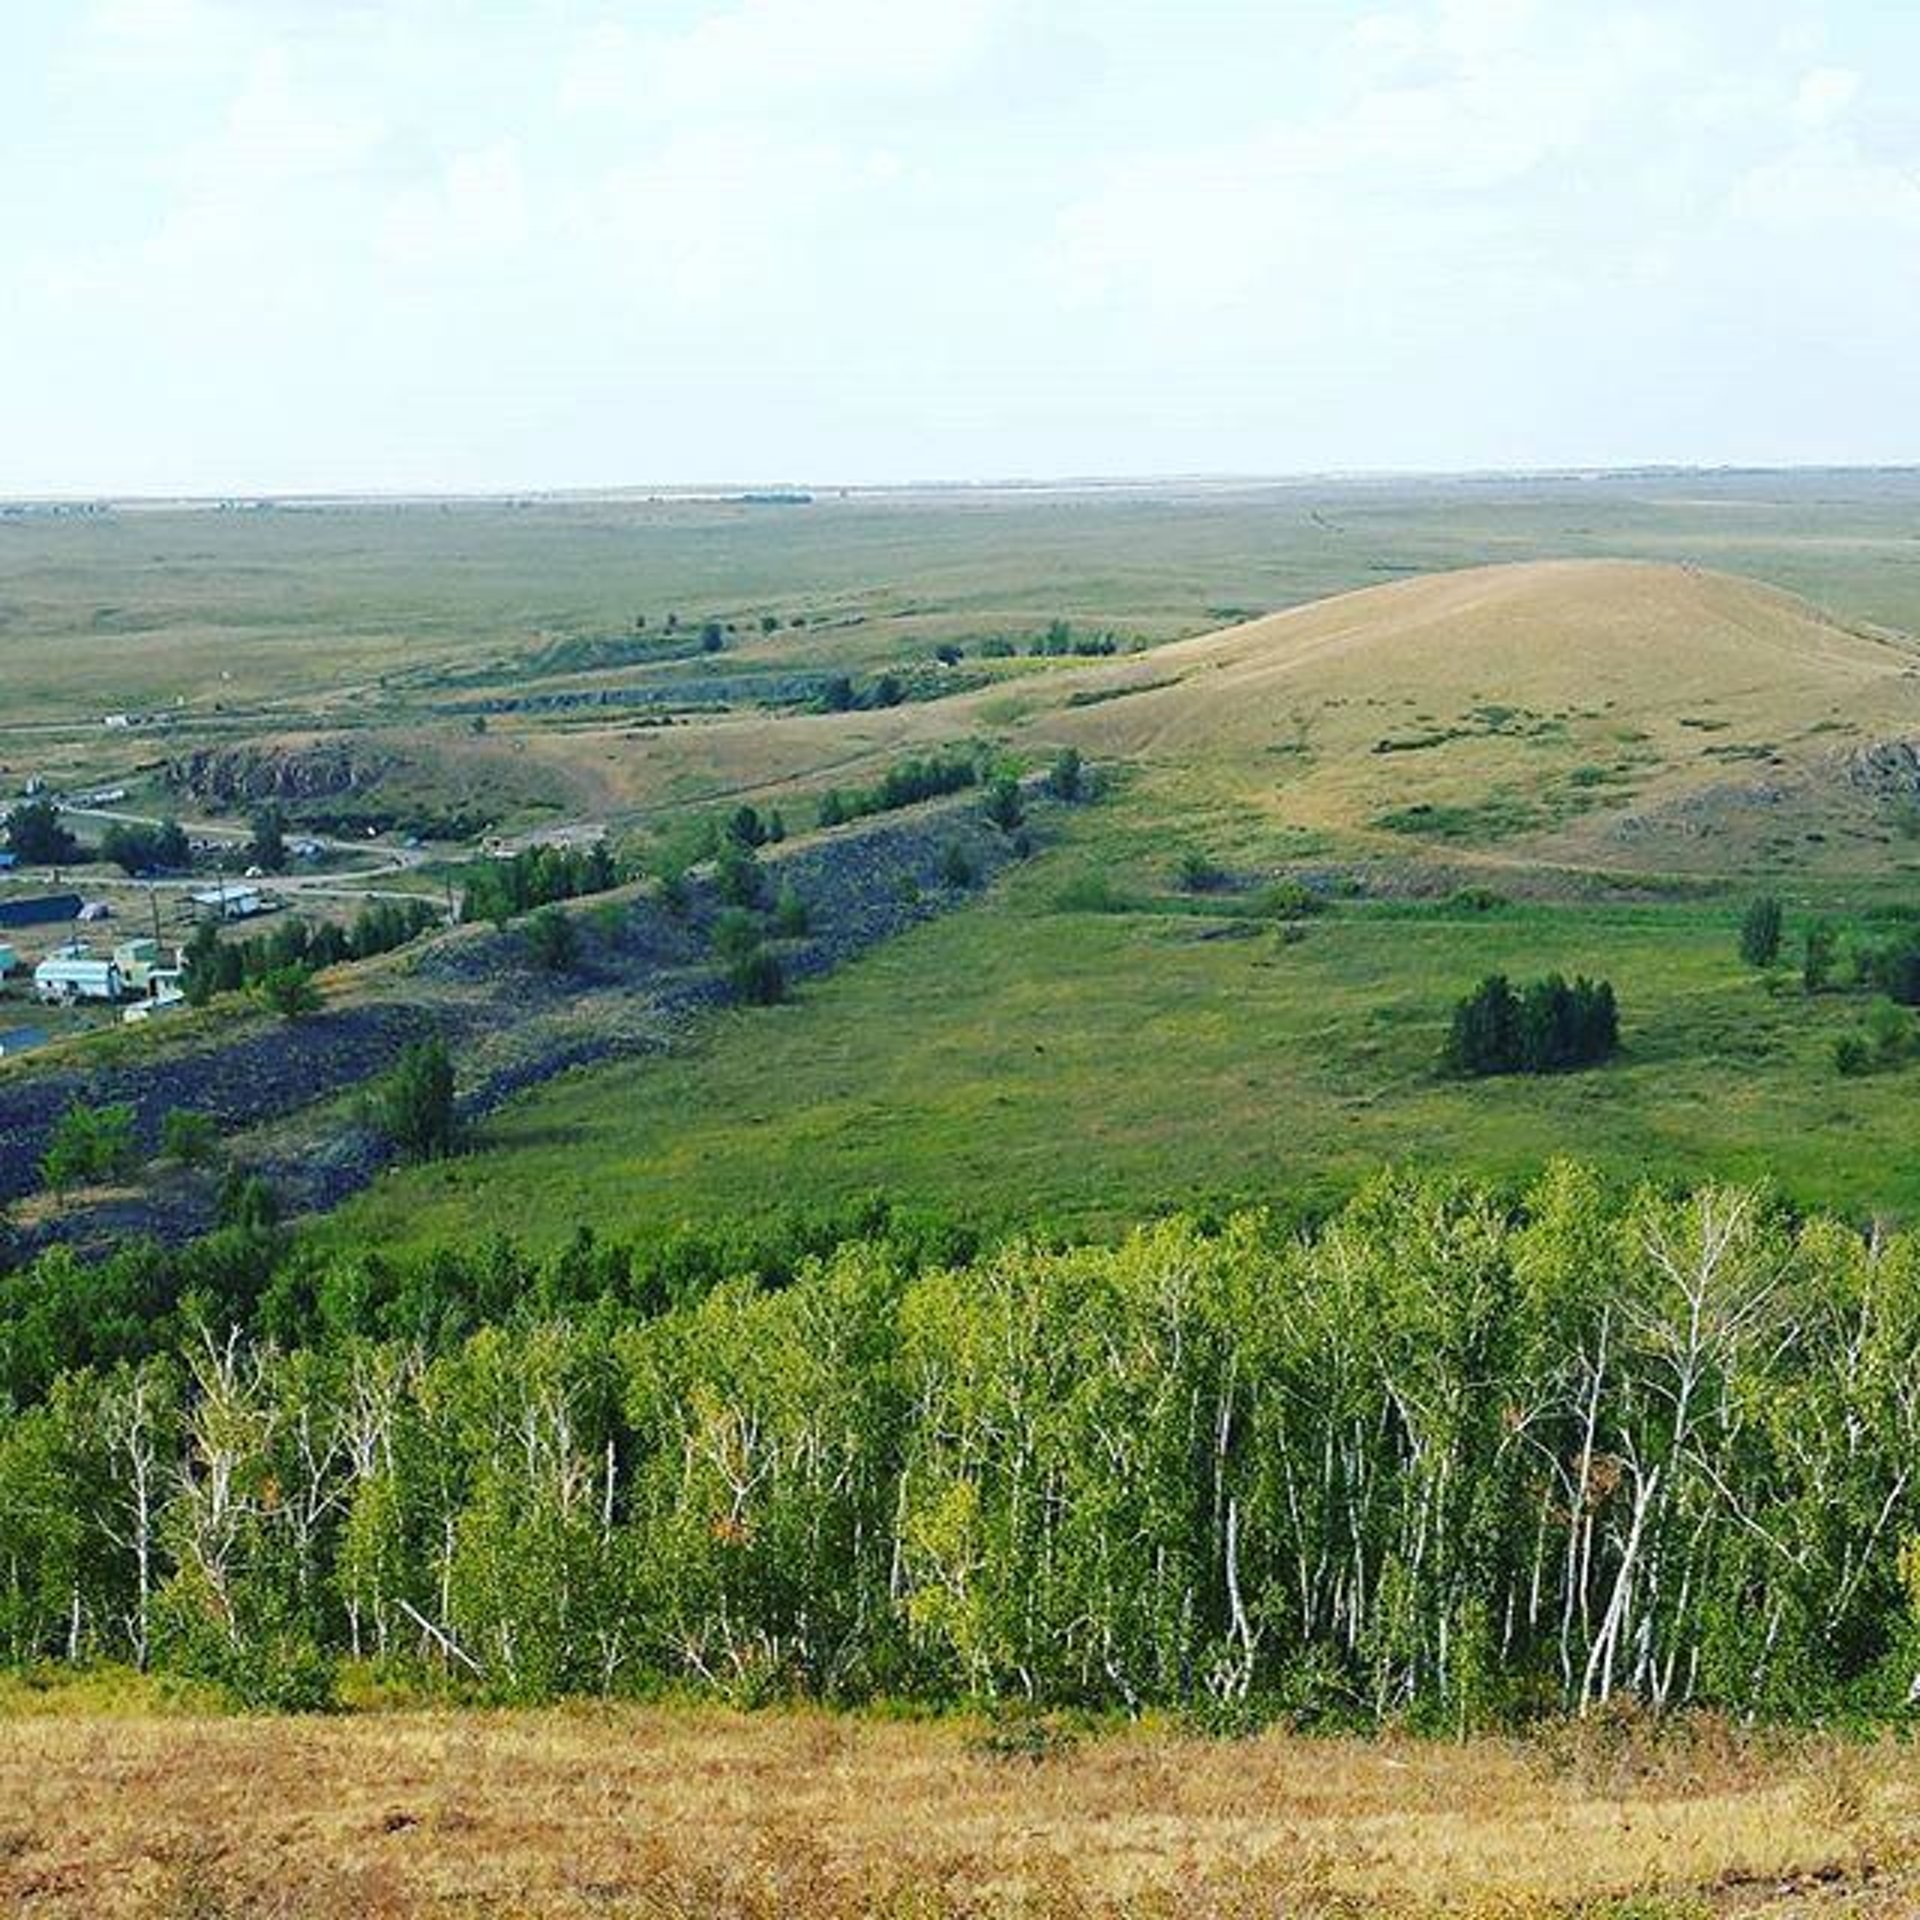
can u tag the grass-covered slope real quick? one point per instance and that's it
(1093, 1040)
(1516, 709)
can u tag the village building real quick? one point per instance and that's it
(75, 972)
(231, 902)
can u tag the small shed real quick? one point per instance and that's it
(231, 903)
(42, 909)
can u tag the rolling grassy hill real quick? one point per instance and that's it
(384, 617)
(1619, 751)
(1575, 710)
(1590, 712)
(1622, 750)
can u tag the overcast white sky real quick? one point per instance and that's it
(327, 244)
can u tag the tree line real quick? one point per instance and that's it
(904, 784)
(498, 889)
(297, 947)
(1444, 1461)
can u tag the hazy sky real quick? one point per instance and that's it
(314, 244)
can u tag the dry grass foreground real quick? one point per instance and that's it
(687, 1813)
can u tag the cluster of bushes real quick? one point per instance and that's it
(745, 924)
(553, 941)
(1199, 874)
(38, 837)
(1061, 639)
(89, 1145)
(838, 694)
(1887, 1038)
(1285, 898)
(1443, 1462)
(748, 827)
(136, 848)
(414, 1104)
(214, 965)
(737, 875)
(740, 945)
(904, 784)
(1093, 892)
(499, 889)
(1005, 808)
(1891, 966)
(1548, 1026)
(732, 845)
(93, 1144)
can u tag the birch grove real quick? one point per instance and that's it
(1443, 1460)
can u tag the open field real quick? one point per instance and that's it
(1621, 753)
(270, 604)
(1031, 1060)
(632, 1812)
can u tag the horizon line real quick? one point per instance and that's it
(739, 490)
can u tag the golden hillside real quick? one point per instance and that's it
(1542, 703)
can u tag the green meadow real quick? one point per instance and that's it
(1090, 1042)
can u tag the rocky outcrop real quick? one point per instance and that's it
(1886, 769)
(223, 777)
